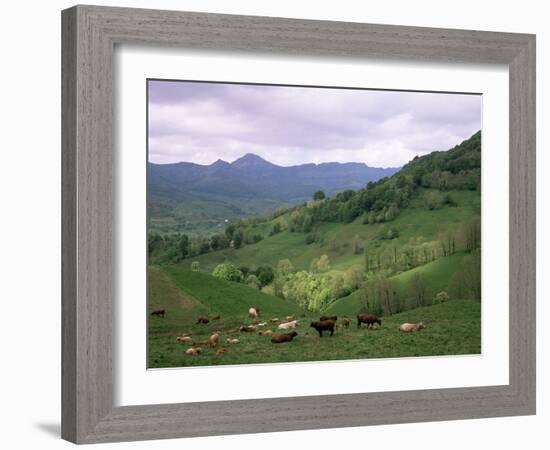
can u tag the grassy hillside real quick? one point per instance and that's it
(336, 239)
(217, 296)
(438, 275)
(452, 328)
(186, 295)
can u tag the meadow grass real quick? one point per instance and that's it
(452, 328)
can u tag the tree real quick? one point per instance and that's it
(391, 213)
(419, 288)
(252, 280)
(473, 235)
(238, 238)
(154, 242)
(244, 270)
(229, 230)
(466, 283)
(318, 195)
(219, 242)
(227, 271)
(265, 274)
(195, 266)
(356, 245)
(204, 247)
(321, 264)
(354, 277)
(284, 267)
(276, 229)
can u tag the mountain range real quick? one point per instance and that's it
(185, 194)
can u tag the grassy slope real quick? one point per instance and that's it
(186, 295)
(451, 328)
(437, 273)
(337, 238)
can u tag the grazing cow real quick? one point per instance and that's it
(345, 323)
(202, 319)
(193, 351)
(368, 319)
(265, 333)
(323, 325)
(274, 320)
(216, 317)
(247, 328)
(411, 327)
(221, 351)
(283, 337)
(182, 339)
(214, 339)
(288, 325)
(232, 341)
(323, 318)
(289, 318)
(159, 313)
(261, 324)
(254, 312)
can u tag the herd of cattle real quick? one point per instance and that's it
(325, 323)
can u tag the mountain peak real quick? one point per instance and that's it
(219, 163)
(250, 159)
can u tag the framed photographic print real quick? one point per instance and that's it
(254, 199)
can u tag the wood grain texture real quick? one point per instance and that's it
(89, 36)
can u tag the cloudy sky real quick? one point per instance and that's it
(203, 122)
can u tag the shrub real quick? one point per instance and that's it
(311, 238)
(252, 280)
(227, 271)
(441, 297)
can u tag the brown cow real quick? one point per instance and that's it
(367, 318)
(202, 320)
(247, 328)
(159, 313)
(216, 317)
(322, 326)
(284, 337)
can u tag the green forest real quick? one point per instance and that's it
(405, 247)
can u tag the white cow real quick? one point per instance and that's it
(288, 325)
(411, 327)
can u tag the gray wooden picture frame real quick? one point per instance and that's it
(90, 34)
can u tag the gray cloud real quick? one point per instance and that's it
(203, 122)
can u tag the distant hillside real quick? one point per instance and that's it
(187, 196)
